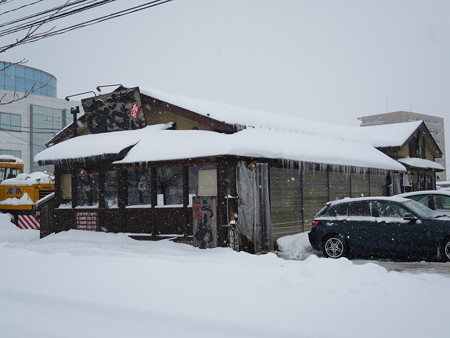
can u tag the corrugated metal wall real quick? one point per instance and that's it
(298, 194)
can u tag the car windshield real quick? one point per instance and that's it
(420, 209)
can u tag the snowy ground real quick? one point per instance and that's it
(84, 284)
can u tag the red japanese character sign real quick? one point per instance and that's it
(134, 110)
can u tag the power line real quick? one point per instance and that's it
(61, 12)
(21, 7)
(58, 13)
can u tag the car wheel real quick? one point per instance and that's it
(334, 246)
(445, 249)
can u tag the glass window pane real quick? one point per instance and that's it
(442, 202)
(139, 188)
(111, 190)
(15, 122)
(170, 186)
(66, 187)
(87, 190)
(20, 71)
(206, 185)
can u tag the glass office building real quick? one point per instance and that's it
(29, 121)
(23, 79)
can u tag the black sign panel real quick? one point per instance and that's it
(119, 110)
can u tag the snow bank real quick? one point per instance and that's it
(9, 232)
(85, 284)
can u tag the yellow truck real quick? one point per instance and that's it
(19, 192)
(10, 167)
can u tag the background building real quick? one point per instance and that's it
(434, 124)
(27, 124)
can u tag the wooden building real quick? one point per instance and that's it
(411, 144)
(160, 166)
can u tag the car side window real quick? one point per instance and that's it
(422, 199)
(441, 202)
(359, 209)
(341, 210)
(387, 209)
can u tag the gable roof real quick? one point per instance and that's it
(397, 135)
(157, 143)
(391, 135)
(244, 117)
(262, 134)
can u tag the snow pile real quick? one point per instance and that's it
(9, 232)
(85, 284)
(295, 246)
(24, 200)
(29, 179)
(5, 158)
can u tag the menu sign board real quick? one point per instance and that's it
(87, 220)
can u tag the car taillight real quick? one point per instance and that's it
(315, 223)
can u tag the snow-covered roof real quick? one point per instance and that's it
(390, 135)
(421, 163)
(253, 118)
(96, 144)
(154, 143)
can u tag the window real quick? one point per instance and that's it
(10, 122)
(87, 189)
(422, 199)
(139, 187)
(202, 181)
(169, 186)
(387, 209)
(66, 187)
(111, 189)
(6, 173)
(441, 202)
(341, 210)
(15, 153)
(359, 209)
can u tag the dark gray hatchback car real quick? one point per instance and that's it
(380, 227)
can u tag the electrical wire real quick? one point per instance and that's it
(19, 8)
(98, 20)
(58, 13)
(62, 11)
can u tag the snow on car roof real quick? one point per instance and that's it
(425, 192)
(395, 198)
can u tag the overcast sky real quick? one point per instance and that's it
(325, 60)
